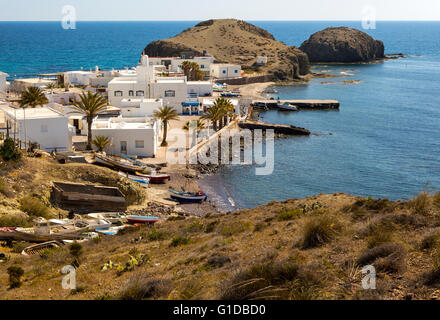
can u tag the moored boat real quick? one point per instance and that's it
(286, 106)
(155, 177)
(117, 164)
(142, 219)
(188, 197)
(142, 180)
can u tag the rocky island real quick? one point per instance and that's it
(342, 45)
(237, 42)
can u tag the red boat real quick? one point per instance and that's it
(155, 178)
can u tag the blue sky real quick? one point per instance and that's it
(206, 9)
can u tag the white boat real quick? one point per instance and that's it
(142, 180)
(287, 106)
(113, 217)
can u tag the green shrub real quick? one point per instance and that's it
(15, 221)
(235, 228)
(320, 230)
(18, 247)
(156, 235)
(34, 207)
(142, 287)
(76, 250)
(179, 241)
(195, 227)
(15, 274)
(287, 215)
(421, 204)
(9, 150)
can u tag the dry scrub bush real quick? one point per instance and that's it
(142, 287)
(389, 258)
(34, 207)
(320, 230)
(421, 204)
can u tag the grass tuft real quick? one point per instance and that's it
(320, 230)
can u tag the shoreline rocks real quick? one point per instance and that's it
(342, 45)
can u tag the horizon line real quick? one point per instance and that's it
(192, 20)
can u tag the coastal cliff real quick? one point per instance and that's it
(237, 42)
(343, 45)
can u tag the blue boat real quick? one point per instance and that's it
(188, 197)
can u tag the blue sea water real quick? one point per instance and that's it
(384, 141)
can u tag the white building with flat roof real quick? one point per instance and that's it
(129, 136)
(146, 84)
(174, 64)
(139, 107)
(225, 71)
(79, 78)
(23, 84)
(44, 126)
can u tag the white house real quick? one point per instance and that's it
(44, 126)
(23, 84)
(81, 78)
(174, 64)
(200, 88)
(139, 107)
(130, 136)
(3, 82)
(261, 60)
(147, 85)
(225, 71)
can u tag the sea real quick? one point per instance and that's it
(383, 142)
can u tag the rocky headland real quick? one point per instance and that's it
(238, 42)
(342, 45)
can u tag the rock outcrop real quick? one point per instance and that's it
(238, 42)
(342, 45)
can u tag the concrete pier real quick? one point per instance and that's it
(302, 104)
(278, 128)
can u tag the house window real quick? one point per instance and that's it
(139, 144)
(140, 93)
(224, 71)
(131, 93)
(118, 93)
(44, 128)
(202, 66)
(236, 71)
(170, 93)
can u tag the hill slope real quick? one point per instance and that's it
(235, 41)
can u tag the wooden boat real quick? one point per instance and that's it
(113, 217)
(38, 248)
(155, 177)
(19, 235)
(188, 197)
(117, 164)
(83, 197)
(142, 180)
(142, 219)
(286, 106)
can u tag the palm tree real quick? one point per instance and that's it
(32, 98)
(197, 124)
(90, 104)
(226, 110)
(165, 114)
(101, 142)
(186, 68)
(50, 87)
(213, 115)
(192, 71)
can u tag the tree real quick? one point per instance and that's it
(50, 87)
(101, 142)
(9, 150)
(213, 115)
(197, 124)
(32, 98)
(192, 71)
(226, 110)
(90, 105)
(165, 114)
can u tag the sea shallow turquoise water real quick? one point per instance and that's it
(384, 142)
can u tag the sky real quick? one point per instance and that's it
(95, 10)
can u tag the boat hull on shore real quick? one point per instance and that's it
(155, 178)
(185, 197)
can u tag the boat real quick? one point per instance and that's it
(230, 94)
(38, 248)
(142, 219)
(286, 106)
(135, 162)
(155, 177)
(116, 218)
(118, 164)
(188, 197)
(93, 224)
(142, 180)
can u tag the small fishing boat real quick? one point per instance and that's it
(142, 219)
(188, 197)
(286, 106)
(112, 217)
(118, 164)
(38, 248)
(144, 181)
(230, 94)
(155, 177)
